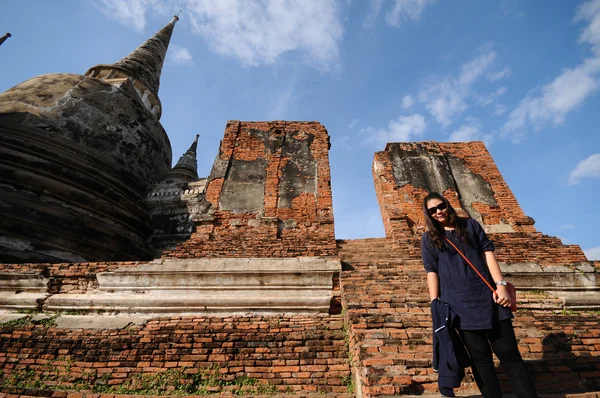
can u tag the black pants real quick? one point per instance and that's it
(504, 343)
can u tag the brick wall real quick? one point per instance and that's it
(467, 176)
(270, 193)
(299, 354)
(387, 313)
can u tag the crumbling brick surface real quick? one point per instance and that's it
(386, 307)
(271, 194)
(450, 167)
(537, 248)
(291, 354)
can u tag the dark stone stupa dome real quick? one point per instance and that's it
(77, 154)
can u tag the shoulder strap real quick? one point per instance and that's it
(472, 266)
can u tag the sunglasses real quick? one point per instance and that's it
(432, 210)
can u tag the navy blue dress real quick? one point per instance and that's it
(460, 287)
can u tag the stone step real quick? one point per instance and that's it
(582, 300)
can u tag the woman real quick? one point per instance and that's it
(483, 318)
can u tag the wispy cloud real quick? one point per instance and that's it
(590, 12)
(260, 32)
(593, 253)
(447, 97)
(444, 100)
(487, 99)
(405, 128)
(500, 74)
(511, 9)
(131, 12)
(406, 10)
(552, 103)
(470, 131)
(180, 55)
(399, 12)
(472, 70)
(256, 32)
(587, 168)
(407, 101)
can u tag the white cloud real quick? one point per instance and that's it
(590, 12)
(256, 32)
(473, 69)
(180, 55)
(589, 167)
(131, 12)
(446, 98)
(465, 133)
(400, 130)
(406, 10)
(471, 131)
(593, 253)
(407, 101)
(261, 31)
(554, 101)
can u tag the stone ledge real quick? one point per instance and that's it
(301, 285)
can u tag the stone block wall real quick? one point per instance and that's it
(270, 193)
(467, 176)
(70, 278)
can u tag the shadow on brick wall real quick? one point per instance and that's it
(567, 366)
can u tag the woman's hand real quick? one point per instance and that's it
(501, 296)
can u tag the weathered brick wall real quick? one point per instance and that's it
(467, 176)
(298, 354)
(270, 193)
(386, 304)
(536, 248)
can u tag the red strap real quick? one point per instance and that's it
(472, 266)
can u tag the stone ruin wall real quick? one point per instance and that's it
(269, 193)
(467, 176)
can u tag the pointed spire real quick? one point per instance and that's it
(3, 38)
(186, 168)
(145, 62)
(143, 65)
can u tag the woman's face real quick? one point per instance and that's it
(438, 210)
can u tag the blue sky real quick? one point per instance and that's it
(523, 76)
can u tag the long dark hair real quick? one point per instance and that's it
(436, 230)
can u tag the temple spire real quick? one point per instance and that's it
(143, 66)
(3, 38)
(186, 168)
